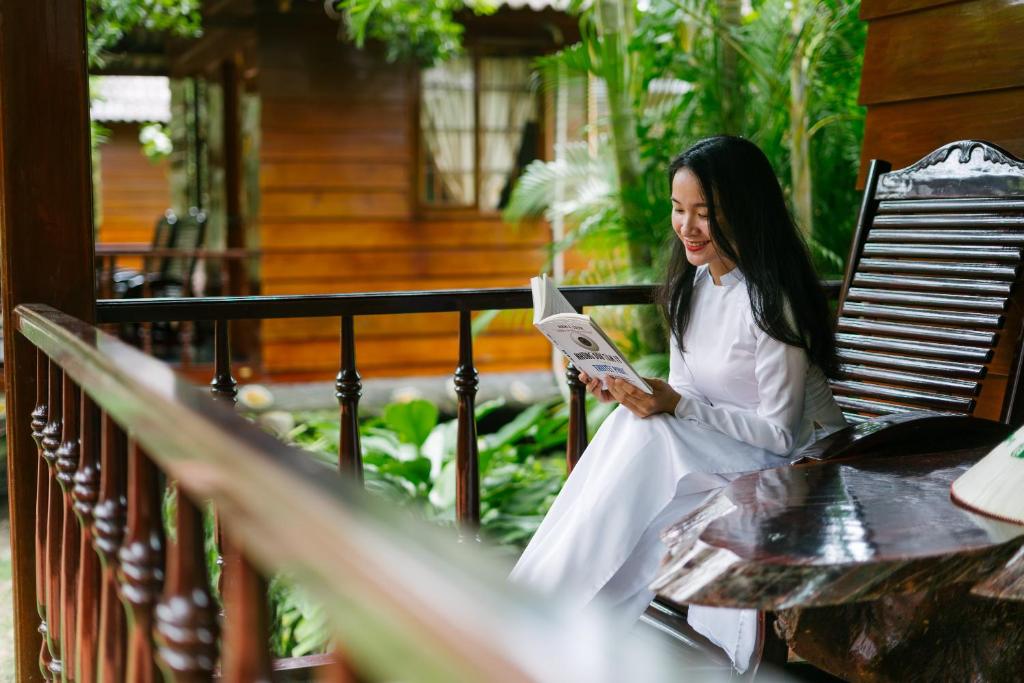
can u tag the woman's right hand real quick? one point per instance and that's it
(594, 387)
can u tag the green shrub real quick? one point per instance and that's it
(409, 458)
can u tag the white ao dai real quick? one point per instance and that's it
(748, 403)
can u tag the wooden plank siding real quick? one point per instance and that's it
(134, 192)
(936, 71)
(338, 213)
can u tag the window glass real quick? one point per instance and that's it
(469, 101)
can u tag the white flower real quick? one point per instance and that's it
(255, 397)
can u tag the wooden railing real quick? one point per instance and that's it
(232, 264)
(120, 601)
(349, 385)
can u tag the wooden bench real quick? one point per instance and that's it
(930, 338)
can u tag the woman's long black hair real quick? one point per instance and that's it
(751, 226)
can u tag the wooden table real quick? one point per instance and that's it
(913, 572)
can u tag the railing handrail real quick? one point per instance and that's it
(450, 616)
(140, 249)
(365, 303)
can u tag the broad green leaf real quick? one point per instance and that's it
(411, 421)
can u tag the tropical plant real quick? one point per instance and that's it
(409, 458)
(108, 21)
(785, 75)
(421, 32)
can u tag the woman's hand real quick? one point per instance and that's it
(594, 387)
(641, 404)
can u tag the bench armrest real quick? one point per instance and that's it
(906, 434)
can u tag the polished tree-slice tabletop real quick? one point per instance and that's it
(836, 533)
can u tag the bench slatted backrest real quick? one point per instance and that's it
(928, 318)
(188, 233)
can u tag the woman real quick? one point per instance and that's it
(752, 347)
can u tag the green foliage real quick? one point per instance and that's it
(298, 624)
(422, 32)
(412, 422)
(688, 41)
(108, 21)
(409, 458)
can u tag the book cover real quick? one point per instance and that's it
(577, 336)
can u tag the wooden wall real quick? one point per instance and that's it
(937, 71)
(134, 192)
(338, 213)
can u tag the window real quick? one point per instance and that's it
(479, 128)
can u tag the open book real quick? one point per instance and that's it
(579, 337)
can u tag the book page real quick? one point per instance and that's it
(547, 300)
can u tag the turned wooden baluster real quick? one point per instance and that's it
(467, 469)
(85, 494)
(142, 561)
(576, 442)
(348, 390)
(109, 517)
(223, 386)
(245, 655)
(186, 617)
(54, 520)
(67, 466)
(39, 422)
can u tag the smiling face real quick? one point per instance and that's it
(692, 225)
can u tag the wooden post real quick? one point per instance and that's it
(46, 239)
(232, 135)
(235, 271)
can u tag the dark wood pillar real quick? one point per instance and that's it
(232, 136)
(245, 333)
(46, 239)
